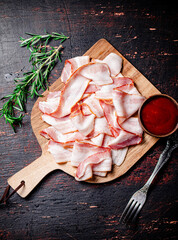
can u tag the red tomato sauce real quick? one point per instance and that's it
(159, 115)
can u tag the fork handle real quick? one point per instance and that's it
(164, 157)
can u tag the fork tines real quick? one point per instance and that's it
(131, 211)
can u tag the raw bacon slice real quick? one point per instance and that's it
(92, 88)
(101, 174)
(121, 83)
(51, 104)
(126, 104)
(104, 166)
(133, 90)
(83, 123)
(84, 170)
(110, 115)
(71, 94)
(88, 174)
(94, 106)
(105, 92)
(77, 62)
(125, 84)
(82, 150)
(118, 156)
(98, 140)
(114, 62)
(85, 109)
(99, 73)
(124, 139)
(101, 126)
(53, 95)
(59, 152)
(56, 136)
(72, 65)
(63, 125)
(128, 88)
(132, 125)
(107, 139)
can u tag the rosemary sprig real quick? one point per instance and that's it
(43, 59)
(7, 112)
(35, 38)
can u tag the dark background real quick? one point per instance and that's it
(61, 208)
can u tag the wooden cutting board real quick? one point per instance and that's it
(37, 170)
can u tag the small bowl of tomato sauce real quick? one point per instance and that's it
(158, 115)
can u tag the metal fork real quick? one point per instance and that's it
(138, 199)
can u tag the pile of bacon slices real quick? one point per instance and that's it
(91, 118)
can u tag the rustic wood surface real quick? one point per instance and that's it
(61, 208)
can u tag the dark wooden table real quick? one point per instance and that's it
(61, 208)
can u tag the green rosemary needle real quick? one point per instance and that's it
(43, 59)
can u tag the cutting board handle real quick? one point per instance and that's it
(32, 174)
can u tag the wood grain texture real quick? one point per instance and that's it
(37, 170)
(61, 208)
